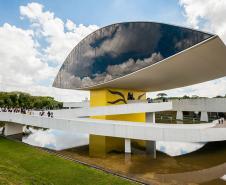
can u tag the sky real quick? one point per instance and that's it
(36, 37)
(59, 140)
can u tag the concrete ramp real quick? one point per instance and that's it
(133, 130)
(113, 110)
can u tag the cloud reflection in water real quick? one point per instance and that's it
(177, 148)
(224, 177)
(55, 139)
(59, 140)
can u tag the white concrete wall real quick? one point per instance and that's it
(150, 117)
(179, 115)
(132, 130)
(195, 105)
(205, 105)
(76, 104)
(204, 116)
(151, 145)
(127, 145)
(12, 129)
(112, 110)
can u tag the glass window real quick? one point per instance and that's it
(120, 49)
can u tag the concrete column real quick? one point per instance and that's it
(151, 145)
(127, 146)
(150, 117)
(204, 116)
(151, 148)
(179, 115)
(2, 131)
(12, 129)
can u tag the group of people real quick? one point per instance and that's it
(149, 100)
(221, 121)
(49, 114)
(25, 111)
(15, 110)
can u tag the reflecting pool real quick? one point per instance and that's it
(176, 163)
(206, 166)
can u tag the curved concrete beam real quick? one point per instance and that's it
(123, 129)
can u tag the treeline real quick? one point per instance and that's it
(25, 100)
(164, 95)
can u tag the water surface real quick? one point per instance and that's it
(176, 163)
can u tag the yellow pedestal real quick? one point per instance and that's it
(100, 145)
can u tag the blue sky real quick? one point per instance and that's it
(101, 12)
(36, 37)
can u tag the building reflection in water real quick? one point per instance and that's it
(59, 140)
(206, 165)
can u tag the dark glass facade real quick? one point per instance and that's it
(120, 49)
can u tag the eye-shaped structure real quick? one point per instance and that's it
(144, 56)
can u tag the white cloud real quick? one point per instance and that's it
(209, 15)
(113, 71)
(70, 25)
(206, 89)
(41, 138)
(55, 139)
(37, 90)
(52, 28)
(177, 148)
(25, 62)
(132, 65)
(20, 62)
(223, 177)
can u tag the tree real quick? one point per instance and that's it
(1, 103)
(186, 97)
(25, 100)
(161, 95)
(8, 102)
(219, 96)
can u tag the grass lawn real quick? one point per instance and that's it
(24, 165)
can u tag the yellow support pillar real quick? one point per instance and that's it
(100, 145)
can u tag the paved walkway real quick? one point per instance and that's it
(220, 125)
